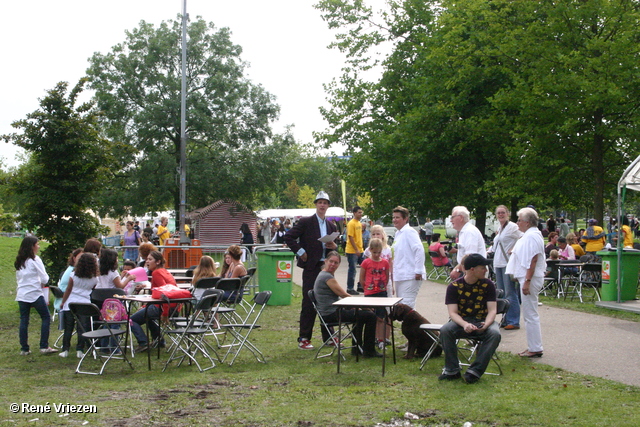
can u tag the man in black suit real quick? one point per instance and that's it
(302, 239)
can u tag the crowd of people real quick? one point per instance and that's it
(96, 267)
(518, 255)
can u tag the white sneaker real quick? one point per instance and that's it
(25, 353)
(48, 350)
(64, 354)
(79, 354)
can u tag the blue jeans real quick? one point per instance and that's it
(351, 273)
(25, 311)
(451, 332)
(131, 254)
(504, 282)
(152, 314)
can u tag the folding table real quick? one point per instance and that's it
(360, 303)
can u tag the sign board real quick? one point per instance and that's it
(284, 270)
(606, 270)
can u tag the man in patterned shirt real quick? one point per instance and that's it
(471, 302)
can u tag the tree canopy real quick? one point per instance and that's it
(69, 161)
(231, 151)
(486, 102)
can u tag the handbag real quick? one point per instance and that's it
(170, 291)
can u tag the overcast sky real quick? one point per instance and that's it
(45, 42)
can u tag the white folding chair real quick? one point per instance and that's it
(433, 331)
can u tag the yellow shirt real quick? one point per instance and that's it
(628, 236)
(594, 245)
(354, 229)
(578, 250)
(163, 234)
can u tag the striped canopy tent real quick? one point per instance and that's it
(630, 179)
(219, 223)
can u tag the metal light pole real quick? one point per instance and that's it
(184, 239)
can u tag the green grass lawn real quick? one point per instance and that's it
(293, 389)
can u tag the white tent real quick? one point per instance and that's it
(333, 211)
(630, 179)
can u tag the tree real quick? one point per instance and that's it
(522, 102)
(404, 124)
(68, 165)
(306, 197)
(231, 150)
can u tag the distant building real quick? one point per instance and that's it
(219, 223)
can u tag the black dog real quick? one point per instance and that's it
(419, 342)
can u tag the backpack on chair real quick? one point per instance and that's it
(113, 311)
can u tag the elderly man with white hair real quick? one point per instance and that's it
(527, 264)
(470, 240)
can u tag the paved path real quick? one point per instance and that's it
(579, 342)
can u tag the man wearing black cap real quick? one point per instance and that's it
(302, 239)
(471, 302)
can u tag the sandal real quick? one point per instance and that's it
(528, 353)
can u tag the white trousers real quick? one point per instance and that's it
(408, 291)
(529, 309)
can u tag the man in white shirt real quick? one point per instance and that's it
(470, 240)
(408, 258)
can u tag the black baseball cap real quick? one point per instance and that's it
(474, 260)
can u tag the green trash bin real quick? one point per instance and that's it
(630, 266)
(275, 274)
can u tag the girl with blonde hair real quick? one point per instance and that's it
(377, 232)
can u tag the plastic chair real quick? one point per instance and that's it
(95, 336)
(241, 331)
(189, 340)
(332, 341)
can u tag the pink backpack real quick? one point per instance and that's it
(113, 311)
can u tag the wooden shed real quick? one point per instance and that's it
(219, 223)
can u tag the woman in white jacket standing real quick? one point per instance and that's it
(31, 277)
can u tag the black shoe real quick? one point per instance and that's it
(352, 292)
(372, 354)
(360, 288)
(469, 378)
(449, 377)
(141, 348)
